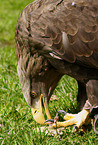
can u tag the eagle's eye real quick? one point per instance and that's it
(35, 111)
(33, 94)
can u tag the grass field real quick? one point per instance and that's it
(17, 126)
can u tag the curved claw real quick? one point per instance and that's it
(62, 112)
(49, 120)
(75, 128)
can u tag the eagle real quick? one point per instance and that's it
(54, 38)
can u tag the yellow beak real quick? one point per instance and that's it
(38, 113)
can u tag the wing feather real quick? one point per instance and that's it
(46, 22)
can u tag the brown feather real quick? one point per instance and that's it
(42, 24)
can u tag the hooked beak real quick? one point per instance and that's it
(38, 113)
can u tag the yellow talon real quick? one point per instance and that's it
(71, 119)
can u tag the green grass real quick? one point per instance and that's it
(17, 126)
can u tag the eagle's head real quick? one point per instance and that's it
(38, 80)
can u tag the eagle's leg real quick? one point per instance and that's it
(84, 116)
(82, 95)
(74, 119)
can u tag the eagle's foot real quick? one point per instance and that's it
(72, 119)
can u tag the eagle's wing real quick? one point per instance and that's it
(62, 29)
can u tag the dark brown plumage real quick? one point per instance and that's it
(57, 37)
